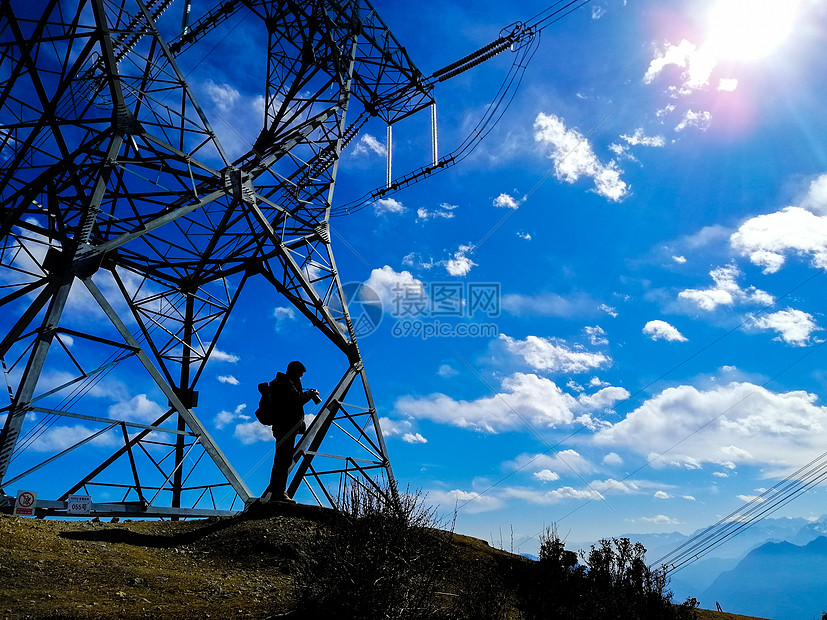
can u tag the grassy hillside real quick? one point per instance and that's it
(236, 567)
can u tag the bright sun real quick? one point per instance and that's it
(749, 29)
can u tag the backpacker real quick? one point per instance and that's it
(266, 407)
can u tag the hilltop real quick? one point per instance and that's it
(228, 567)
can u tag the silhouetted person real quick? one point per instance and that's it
(287, 398)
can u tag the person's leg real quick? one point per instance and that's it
(281, 463)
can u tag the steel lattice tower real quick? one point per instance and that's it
(110, 192)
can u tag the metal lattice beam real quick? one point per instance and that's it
(116, 189)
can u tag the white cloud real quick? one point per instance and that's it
(681, 260)
(460, 264)
(661, 520)
(228, 379)
(756, 499)
(613, 459)
(550, 304)
(697, 64)
(546, 475)
(612, 312)
(393, 287)
(284, 313)
(223, 96)
(137, 409)
(445, 211)
(506, 201)
(387, 205)
(596, 335)
(554, 496)
(217, 355)
(567, 461)
(368, 144)
(661, 330)
(793, 326)
(700, 119)
(733, 424)
(728, 84)
(394, 428)
(766, 239)
(252, 432)
(413, 438)
(58, 438)
(225, 418)
(726, 291)
(815, 199)
(524, 235)
(551, 355)
(523, 399)
(447, 371)
(573, 157)
(661, 495)
(469, 501)
(640, 138)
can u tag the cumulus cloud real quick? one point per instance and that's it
(393, 287)
(613, 459)
(699, 119)
(640, 138)
(523, 399)
(229, 379)
(252, 432)
(137, 409)
(661, 495)
(661, 330)
(730, 425)
(58, 438)
(815, 199)
(388, 205)
(240, 117)
(225, 418)
(460, 264)
(471, 501)
(554, 496)
(506, 201)
(696, 64)
(394, 428)
(563, 461)
(726, 291)
(662, 520)
(767, 239)
(413, 438)
(445, 211)
(551, 355)
(793, 326)
(574, 157)
(546, 475)
(368, 144)
(446, 371)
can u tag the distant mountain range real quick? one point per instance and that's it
(781, 581)
(775, 569)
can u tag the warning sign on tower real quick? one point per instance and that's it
(25, 504)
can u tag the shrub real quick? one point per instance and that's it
(380, 559)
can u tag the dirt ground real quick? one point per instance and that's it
(227, 567)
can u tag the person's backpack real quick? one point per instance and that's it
(266, 410)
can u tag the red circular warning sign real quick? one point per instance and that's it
(25, 499)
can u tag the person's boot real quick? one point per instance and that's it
(286, 498)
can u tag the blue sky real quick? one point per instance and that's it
(649, 220)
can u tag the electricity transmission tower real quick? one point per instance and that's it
(128, 234)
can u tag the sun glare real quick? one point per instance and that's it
(749, 29)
